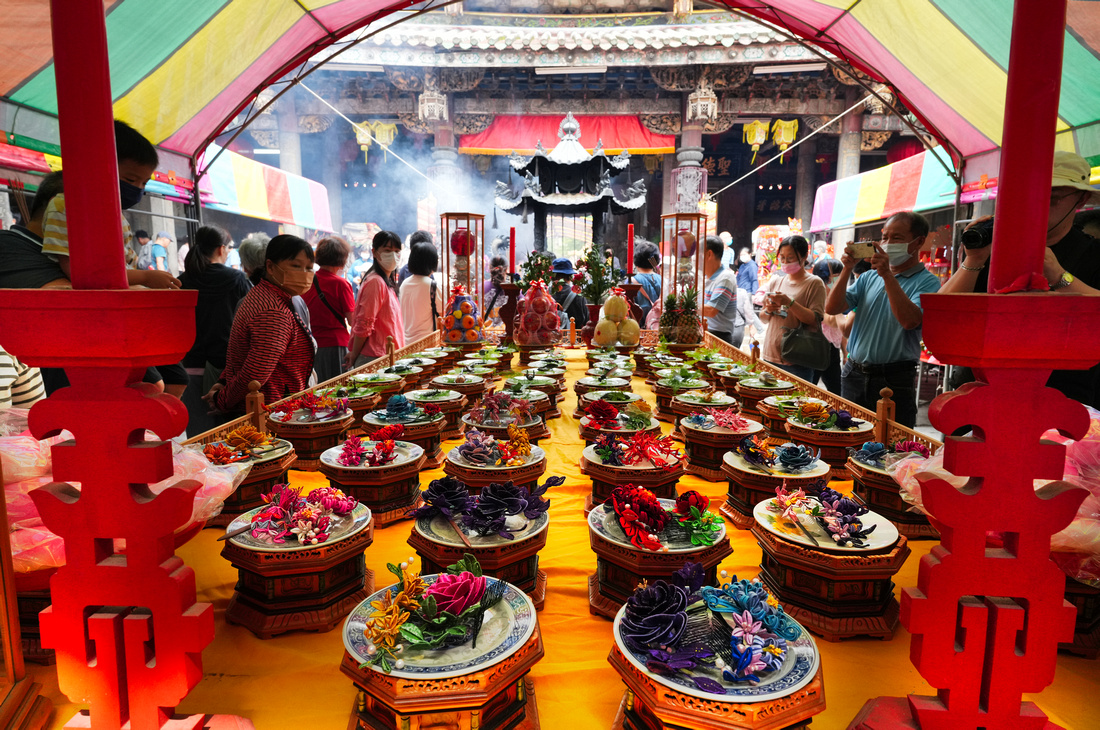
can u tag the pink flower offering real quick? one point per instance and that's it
(456, 593)
(789, 502)
(728, 418)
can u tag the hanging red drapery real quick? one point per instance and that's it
(522, 133)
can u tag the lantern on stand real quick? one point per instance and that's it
(682, 236)
(464, 278)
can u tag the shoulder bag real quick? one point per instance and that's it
(806, 347)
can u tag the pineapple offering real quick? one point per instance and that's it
(680, 321)
(616, 326)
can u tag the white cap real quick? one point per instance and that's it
(1073, 171)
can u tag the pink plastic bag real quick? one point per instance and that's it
(36, 548)
(218, 481)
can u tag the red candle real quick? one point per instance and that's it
(629, 249)
(512, 250)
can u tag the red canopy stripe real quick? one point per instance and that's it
(522, 133)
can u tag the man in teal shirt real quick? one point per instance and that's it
(884, 347)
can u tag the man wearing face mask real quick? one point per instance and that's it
(270, 341)
(377, 308)
(1071, 265)
(746, 273)
(884, 347)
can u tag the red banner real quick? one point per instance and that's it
(522, 133)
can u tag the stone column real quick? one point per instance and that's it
(847, 157)
(444, 172)
(540, 229)
(805, 188)
(290, 145)
(689, 179)
(332, 176)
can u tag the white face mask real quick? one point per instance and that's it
(387, 260)
(744, 256)
(898, 252)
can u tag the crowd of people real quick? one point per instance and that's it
(287, 314)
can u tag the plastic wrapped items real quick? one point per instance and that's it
(616, 326)
(462, 320)
(218, 481)
(537, 319)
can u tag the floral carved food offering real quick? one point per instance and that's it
(309, 408)
(307, 520)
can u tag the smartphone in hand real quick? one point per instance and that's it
(862, 250)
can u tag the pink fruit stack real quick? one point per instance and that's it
(537, 319)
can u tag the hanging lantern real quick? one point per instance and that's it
(433, 106)
(783, 134)
(703, 103)
(365, 139)
(755, 133)
(366, 133)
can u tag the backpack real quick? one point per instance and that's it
(144, 256)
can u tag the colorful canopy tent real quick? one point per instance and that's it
(917, 183)
(243, 186)
(181, 71)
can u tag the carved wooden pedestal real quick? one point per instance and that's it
(311, 589)
(706, 448)
(363, 405)
(499, 697)
(589, 433)
(515, 562)
(311, 439)
(835, 595)
(834, 445)
(425, 434)
(471, 386)
(452, 409)
(650, 705)
(665, 393)
(261, 478)
(775, 423)
(881, 494)
(748, 486)
(730, 377)
(526, 475)
(620, 567)
(551, 387)
(751, 391)
(390, 491)
(1086, 630)
(662, 482)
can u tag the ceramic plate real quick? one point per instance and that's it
(757, 383)
(884, 536)
(406, 452)
(374, 378)
(790, 401)
(754, 428)
(602, 395)
(378, 418)
(590, 454)
(421, 395)
(535, 455)
(345, 527)
(503, 424)
(863, 427)
(798, 670)
(279, 448)
(303, 415)
(716, 402)
(470, 379)
(602, 520)
(507, 627)
(737, 461)
(603, 381)
(440, 530)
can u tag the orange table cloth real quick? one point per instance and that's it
(294, 680)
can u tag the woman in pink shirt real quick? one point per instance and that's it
(377, 310)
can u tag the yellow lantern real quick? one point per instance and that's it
(755, 133)
(783, 134)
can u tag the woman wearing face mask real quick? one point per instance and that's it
(791, 299)
(270, 341)
(377, 310)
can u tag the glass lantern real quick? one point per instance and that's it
(682, 236)
(463, 248)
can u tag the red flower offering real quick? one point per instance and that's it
(456, 593)
(690, 499)
(602, 414)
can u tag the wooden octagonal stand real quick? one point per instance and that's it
(549, 386)
(425, 434)
(681, 405)
(834, 445)
(363, 405)
(706, 448)
(585, 399)
(620, 566)
(662, 482)
(590, 433)
(878, 490)
(1086, 629)
(311, 439)
(835, 595)
(536, 429)
(665, 393)
(588, 384)
(311, 588)
(751, 391)
(516, 561)
(498, 697)
(731, 376)
(452, 407)
(648, 704)
(775, 423)
(471, 386)
(248, 496)
(748, 486)
(475, 478)
(390, 491)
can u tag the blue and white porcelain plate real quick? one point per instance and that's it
(536, 455)
(440, 530)
(406, 451)
(798, 670)
(507, 627)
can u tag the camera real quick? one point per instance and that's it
(978, 236)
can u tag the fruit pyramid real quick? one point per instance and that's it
(537, 320)
(462, 322)
(616, 326)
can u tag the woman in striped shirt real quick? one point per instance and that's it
(269, 341)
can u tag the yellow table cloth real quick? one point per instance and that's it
(294, 680)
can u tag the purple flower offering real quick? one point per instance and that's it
(655, 616)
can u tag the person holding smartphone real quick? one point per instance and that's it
(884, 347)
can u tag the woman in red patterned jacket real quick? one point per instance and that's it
(270, 342)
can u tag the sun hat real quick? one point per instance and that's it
(166, 234)
(1073, 171)
(563, 266)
